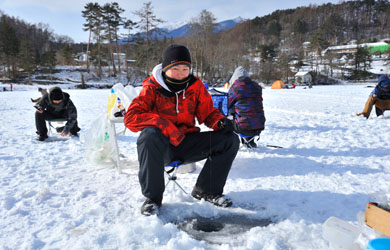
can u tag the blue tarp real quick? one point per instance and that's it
(220, 100)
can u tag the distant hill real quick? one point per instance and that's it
(323, 25)
(184, 30)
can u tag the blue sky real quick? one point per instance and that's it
(64, 16)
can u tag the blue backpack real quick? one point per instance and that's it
(383, 91)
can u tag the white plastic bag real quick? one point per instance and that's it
(100, 146)
(120, 96)
(125, 94)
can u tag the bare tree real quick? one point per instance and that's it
(129, 26)
(147, 23)
(203, 44)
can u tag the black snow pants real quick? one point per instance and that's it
(41, 118)
(155, 151)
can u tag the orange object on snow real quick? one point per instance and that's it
(278, 84)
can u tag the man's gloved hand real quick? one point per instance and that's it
(225, 125)
(39, 108)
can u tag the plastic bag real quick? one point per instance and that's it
(120, 95)
(100, 145)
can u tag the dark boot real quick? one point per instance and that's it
(42, 137)
(252, 144)
(150, 207)
(73, 131)
(40, 124)
(378, 111)
(217, 200)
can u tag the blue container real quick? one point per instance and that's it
(379, 244)
(220, 100)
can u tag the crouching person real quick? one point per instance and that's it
(380, 97)
(56, 105)
(246, 106)
(165, 111)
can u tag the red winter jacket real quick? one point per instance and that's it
(173, 113)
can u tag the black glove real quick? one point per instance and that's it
(38, 106)
(225, 125)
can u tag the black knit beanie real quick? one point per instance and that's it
(175, 54)
(56, 94)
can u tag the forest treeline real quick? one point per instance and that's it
(25, 46)
(266, 45)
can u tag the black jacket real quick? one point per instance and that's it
(65, 109)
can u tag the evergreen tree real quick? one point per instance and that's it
(318, 43)
(283, 66)
(88, 14)
(300, 26)
(332, 27)
(362, 62)
(27, 57)
(67, 54)
(49, 60)
(9, 46)
(275, 28)
(267, 52)
(112, 20)
(93, 16)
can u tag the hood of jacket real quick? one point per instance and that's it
(157, 75)
(383, 79)
(238, 73)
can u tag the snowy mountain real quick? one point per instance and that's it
(173, 31)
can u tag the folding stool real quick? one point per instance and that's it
(50, 125)
(171, 173)
(246, 138)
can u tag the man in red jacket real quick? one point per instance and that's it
(165, 111)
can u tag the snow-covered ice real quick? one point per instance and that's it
(330, 165)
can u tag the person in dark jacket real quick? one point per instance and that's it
(380, 97)
(246, 106)
(165, 112)
(56, 105)
(43, 92)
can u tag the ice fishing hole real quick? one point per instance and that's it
(216, 230)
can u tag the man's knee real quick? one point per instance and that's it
(40, 117)
(233, 140)
(151, 135)
(38, 114)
